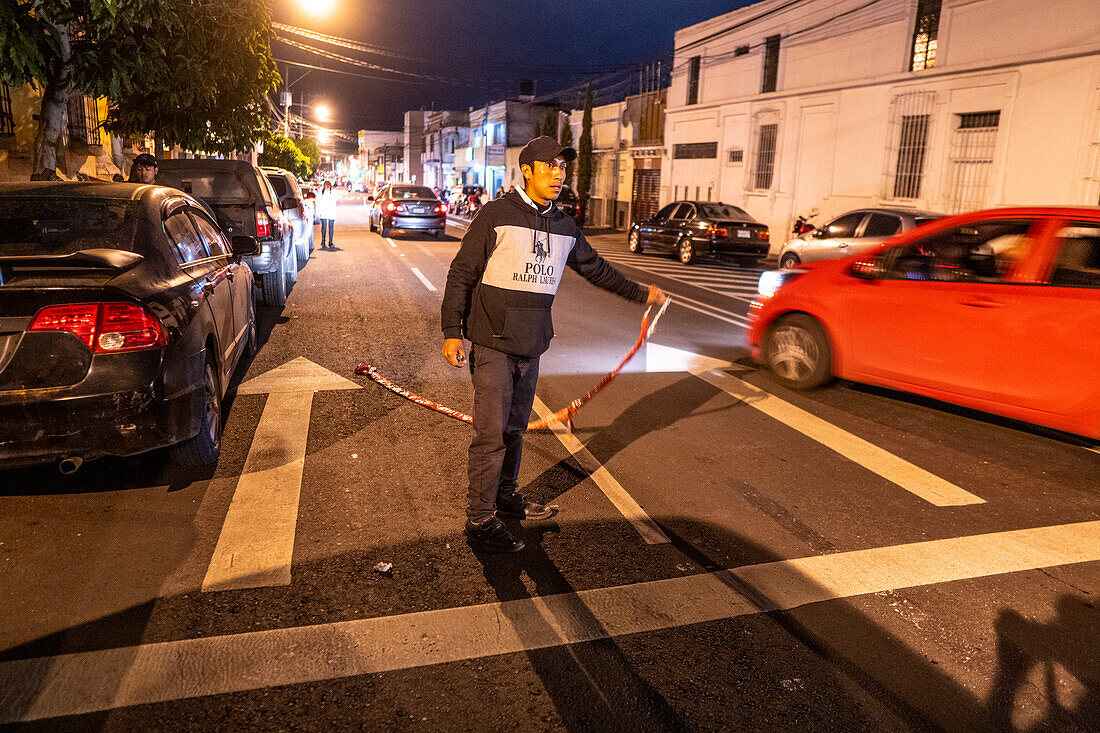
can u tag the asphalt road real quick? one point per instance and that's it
(729, 554)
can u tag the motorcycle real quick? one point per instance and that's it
(804, 223)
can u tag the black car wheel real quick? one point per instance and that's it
(685, 251)
(273, 285)
(204, 447)
(438, 233)
(634, 243)
(301, 248)
(789, 260)
(251, 338)
(796, 349)
(370, 224)
(385, 230)
(291, 265)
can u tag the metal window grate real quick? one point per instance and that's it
(925, 35)
(693, 80)
(765, 156)
(771, 64)
(911, 150)
(695, 150)
(736, 156)
(971, 160)
(83, 119)
(7, 122)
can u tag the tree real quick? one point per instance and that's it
(584, 155)
(549, 124)
(311, 150)
(282, 152)
(99, 47)
(209, 91)
(566, 141)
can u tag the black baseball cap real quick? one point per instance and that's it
(545, 148)
(146, 160)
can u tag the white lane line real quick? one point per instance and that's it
(709, 310)
(426, 281)
(743, 294)
(913, 479)
(392, 243)
(85, 682)
(611, 488)
(257, 539)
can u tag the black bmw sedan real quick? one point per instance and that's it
(690, 229)
(124, 311)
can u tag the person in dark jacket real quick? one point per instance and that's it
(500, 287)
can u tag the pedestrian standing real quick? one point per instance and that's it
(143, 169)
(500, 288)
(326, 212)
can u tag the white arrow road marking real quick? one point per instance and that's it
(84, 682)
(257, 539)
(667, 359)
(426, 281)
(611, 488)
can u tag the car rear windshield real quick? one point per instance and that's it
(723, 211)
(217, 187)
(60, 226)
(411, 192)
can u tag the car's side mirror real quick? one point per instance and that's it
(866, 268)
(290, 202)
(370, 198)
(244, 245)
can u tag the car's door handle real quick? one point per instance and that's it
(231, 275)
(982, 303)
(208, 286)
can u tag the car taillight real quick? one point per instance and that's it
(105, 328)
(391, 206)
(443, 208)
(763, 234)
(716, 231)
(263, 224)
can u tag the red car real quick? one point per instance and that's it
(995, 310)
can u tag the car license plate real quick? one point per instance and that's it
(743, 233)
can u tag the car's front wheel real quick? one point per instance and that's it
(685, 251)
(204, 447)
(796, 349)
(789, 260)
(634, 243)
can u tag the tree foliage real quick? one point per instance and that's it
(566, 141)
(282, 152)
(311, 150)
(548, 125)
(584, 154)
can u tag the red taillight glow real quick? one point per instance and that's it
(443, 208)
(263, 224)
(715, 231)
(763, 234)
(391, 206)
(105, 328)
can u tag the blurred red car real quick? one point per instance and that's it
(996, 310)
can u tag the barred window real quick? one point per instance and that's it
(765, 156)
(971, 160)
(7, 122)
(83, 119)
(911, 150)
(771, 64)
(925, 33)
(695, 150)
(693, 80)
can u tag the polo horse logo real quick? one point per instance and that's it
(542, 247)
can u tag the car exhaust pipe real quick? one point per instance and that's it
(70, 464)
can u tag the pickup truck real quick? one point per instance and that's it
(241, 198)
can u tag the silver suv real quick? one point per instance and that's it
(850, 233)
(286, 187)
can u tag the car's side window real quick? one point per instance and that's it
(1078, 263)
(680, 212)
(666, 213)
(686, 212)
(845, 226)
(985, 251)
(882, 225)
(188, 245)
(215, 240)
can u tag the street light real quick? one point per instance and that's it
(322, 112)
(317, 7)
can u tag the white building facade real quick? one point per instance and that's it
(782, 107)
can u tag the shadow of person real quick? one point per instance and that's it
(1068, 641)
(592, 685)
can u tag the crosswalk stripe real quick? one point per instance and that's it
(86, 682)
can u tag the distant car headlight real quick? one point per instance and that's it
(772, 280)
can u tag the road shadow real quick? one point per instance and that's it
(826, 665)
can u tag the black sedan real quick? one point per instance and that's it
(124, 311)
(691, 229)
(408, 207)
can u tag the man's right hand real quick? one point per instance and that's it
(453, 352)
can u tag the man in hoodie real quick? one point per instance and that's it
(500, 287)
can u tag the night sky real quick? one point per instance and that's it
(482, 47)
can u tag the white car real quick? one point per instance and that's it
(849, 233)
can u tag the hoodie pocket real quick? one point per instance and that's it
(527, 331)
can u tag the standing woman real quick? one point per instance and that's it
(326, 212)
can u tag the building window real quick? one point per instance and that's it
(765, 156)
(693, 79)
(7, 122)
(695, 150)
(971, 160)
(925, 32)
(736, 156)
(771, 64)
(911, 148)
(83, 119)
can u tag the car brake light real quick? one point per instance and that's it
(263, 224)
(716, 231)
(763, 234)
(105, 328)
(443, 208)
(391, 206)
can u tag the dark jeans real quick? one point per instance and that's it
(504, 389)
(330, 224)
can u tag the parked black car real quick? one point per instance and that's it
(570, 205)
(244, 203)
(691, 229)
(408, 207)
(124, 311)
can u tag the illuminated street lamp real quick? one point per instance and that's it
(322, 112)
(317, 7)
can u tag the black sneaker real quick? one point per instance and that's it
(493, 536)
(523, 509)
